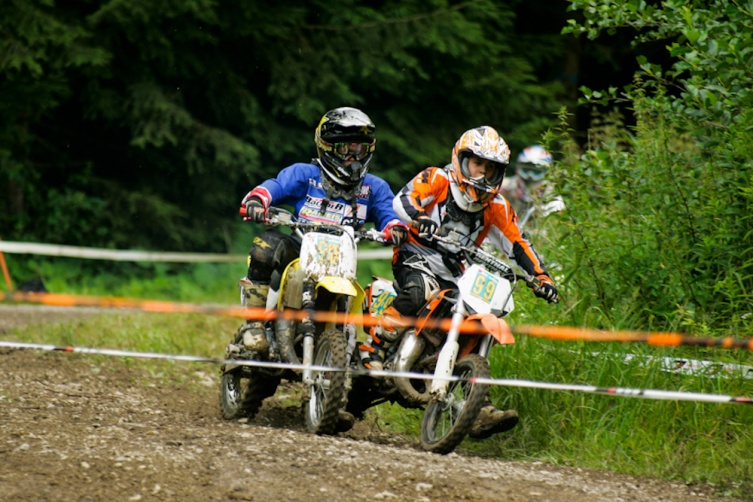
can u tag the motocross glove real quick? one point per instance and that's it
(546, 289)
(398, 235)
(255, 210)
(426, 226)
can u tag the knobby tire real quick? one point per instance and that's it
(444, 427)
(329, 387)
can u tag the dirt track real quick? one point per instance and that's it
(73, 429)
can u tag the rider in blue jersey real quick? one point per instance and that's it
(334, 188)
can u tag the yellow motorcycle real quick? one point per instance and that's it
(321, 281)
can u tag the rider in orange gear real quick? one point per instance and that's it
(464, 196)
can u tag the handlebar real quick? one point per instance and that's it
(478, 255)
(281, 217)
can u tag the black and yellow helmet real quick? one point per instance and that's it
(345, 143)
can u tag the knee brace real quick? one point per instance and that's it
(271, 251)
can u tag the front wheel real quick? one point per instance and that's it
(328, 389)
(447, 422)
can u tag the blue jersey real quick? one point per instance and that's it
(300, 186)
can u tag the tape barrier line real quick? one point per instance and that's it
(654, 394)
(561, 333)
(661, 339)
(666, 395)
(692, 367)
(120, 255)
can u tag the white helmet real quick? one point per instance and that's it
(533, 163)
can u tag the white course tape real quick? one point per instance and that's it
(616, 391)
(693, 367)
(119, 255)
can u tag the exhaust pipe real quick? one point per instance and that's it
(410, 349)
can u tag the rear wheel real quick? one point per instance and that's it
(328, 389)
(447, 422)
(242, 391)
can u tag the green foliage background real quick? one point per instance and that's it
(657, 230)
(140, 124)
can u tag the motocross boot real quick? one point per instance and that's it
(345, 421)
(493, 421)
(254, 333)
(373, 350)
(381, 338)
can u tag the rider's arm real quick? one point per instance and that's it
(380, 210)
(421, 194)
(502, 217)
(290, 186)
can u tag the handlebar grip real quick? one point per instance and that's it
(243, 211)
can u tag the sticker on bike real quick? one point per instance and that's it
(484, 286)
(486, 292)
(381, 302)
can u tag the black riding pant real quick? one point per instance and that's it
(271, 253)
(415, 282)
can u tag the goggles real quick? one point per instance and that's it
(531, 172)
(352, 151)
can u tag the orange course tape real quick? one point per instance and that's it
(563, 333)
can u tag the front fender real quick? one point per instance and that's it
(496, 327)
(340, 286)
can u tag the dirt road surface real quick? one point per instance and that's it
(73, 428)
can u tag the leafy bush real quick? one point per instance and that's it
(658, 220)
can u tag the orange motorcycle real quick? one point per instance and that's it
(437, 362)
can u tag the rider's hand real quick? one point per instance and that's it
(255, 210)
(426, 226)
(398, 235)
(546, 289)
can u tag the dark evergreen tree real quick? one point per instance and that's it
(142, 124)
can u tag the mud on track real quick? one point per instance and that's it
(75, 428)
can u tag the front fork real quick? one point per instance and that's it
(308, 329)
(449, 354)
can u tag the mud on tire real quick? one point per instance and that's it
(326, 395)
(445, 424)
(242, 391)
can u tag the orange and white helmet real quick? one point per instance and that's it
(486, 143)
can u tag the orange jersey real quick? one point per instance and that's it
(429, 194)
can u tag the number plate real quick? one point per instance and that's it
(325, 255)
(485, 292)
